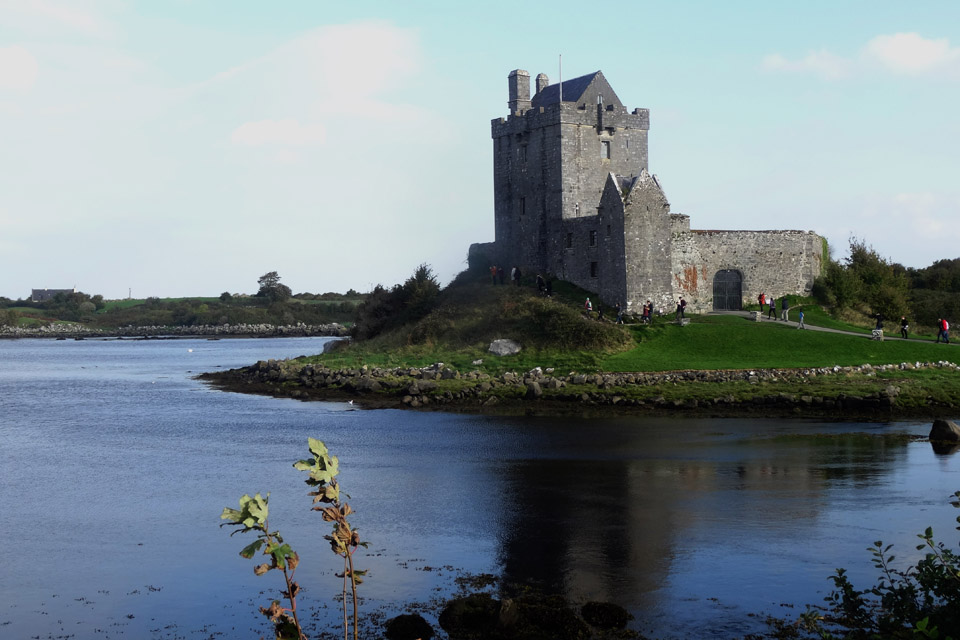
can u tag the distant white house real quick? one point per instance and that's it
(42, 295)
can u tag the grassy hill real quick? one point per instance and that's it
(554, 332)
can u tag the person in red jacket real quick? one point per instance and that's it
(943, 330)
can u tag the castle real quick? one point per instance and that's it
(573, 197)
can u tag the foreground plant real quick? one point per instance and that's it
(922, 601)
(252, 516)
(322, 469)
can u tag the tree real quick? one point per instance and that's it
(867, 279)
(386, 309)
(271, 289)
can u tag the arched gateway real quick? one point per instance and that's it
(727, 290)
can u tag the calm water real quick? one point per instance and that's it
(115, 465)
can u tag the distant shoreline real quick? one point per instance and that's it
(69, 332)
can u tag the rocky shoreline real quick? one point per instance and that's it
(67, 331)
(441, 387)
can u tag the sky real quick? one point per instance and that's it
(186, 147)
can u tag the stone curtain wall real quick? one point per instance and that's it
(772, 262)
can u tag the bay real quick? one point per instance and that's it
(115, 465)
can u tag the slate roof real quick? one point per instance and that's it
(573, 90)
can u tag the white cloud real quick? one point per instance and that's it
(911, 53)
(287, 132)
(18, 69)
(821, 62)
(898, 53)
(43, 14)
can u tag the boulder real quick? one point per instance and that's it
(473, 616)
(605, 615)
(533, 390)
(945, 431)
(504, 347)
(408, 626)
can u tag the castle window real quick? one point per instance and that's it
(594, 270)
(605, 149)
(523, 206)
(523, 153)
(608, 231)
(593, 238)
(569, 241)
(576, 209)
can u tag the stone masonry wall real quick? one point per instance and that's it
(772, 262)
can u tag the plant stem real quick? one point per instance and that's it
(288, 578)
(353, 584)
(346, 627)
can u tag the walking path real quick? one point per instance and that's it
(810, 327)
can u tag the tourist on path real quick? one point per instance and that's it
(541, 285)
(800, 324)
(772, 311)
(647, 312)
(600, 311)
(588, 306)
(784, 309)
(761, 299)
(943, 330)
(619, 313)
(904, 326)
(493, 273)
(681, 307)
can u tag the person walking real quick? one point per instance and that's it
(784, 309)
(588, 307)
(904, 326)
(943, 329)
(800, 324)
(493, 273)
(772, 311)
(619, 313)
(647, 312)
(600, 311)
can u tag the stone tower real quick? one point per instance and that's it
(551, 158)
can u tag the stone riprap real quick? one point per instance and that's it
(423, 387)
(222, 330)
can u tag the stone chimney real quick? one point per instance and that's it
(519, 83)
(542, 82)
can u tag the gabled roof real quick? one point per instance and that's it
(584, 89)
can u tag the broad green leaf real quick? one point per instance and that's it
(317, 447)
(230, 514)
(251, 549)
(280, 554)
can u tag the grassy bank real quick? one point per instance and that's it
(725, 364)
(554, 332)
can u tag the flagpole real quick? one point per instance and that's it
(560, 72)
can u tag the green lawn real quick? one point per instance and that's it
(732, 342)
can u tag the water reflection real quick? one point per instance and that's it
(614, 519)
